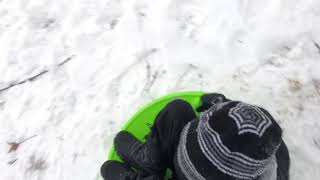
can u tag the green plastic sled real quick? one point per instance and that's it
(140, 123)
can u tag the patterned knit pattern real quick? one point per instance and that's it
(232, 163)
(250, 119)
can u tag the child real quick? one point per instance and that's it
(230, 140)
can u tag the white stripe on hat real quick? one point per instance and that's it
(249, 119)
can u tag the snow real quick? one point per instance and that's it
(103, 59)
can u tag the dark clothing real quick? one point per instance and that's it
(283, 161)
(166, 130)
(165, 134)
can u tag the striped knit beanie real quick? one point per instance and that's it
(231, 140)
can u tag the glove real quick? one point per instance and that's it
(143, 156)
(210, 99)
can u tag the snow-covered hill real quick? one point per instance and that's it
(73, 71)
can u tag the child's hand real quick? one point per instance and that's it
(210, 99)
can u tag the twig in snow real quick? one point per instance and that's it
(28, 138)
(151, 78)
(15, 145)
(48, 23)
(141, 58)
(34, 77)
(66, 60)
(317, 46)
(190, 68)
(12, 161)
(316, 143)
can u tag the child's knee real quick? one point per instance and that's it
(179, 104)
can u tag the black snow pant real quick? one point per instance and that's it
(165, 133)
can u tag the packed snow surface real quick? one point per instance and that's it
(73, 71)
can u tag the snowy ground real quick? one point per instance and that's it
(73, 71)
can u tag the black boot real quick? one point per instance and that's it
(113, 170)
(144, 156)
